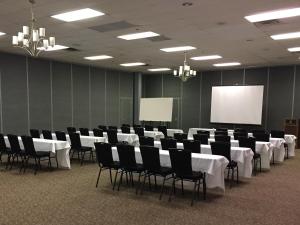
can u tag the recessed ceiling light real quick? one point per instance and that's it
(272, 15)
(286, 36)
(55, 48)
(1, 33)
(206, 57)
(295, 49)
(98, 57)
(76, 15)
(159, 69)
(178, 49)
(138, 35)
(133, 64)
(227, 64)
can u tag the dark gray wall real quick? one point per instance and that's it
(45, 94)
(281, 94)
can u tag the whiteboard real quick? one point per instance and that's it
(156, 109)
(237, 104)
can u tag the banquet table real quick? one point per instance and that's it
(171, 132)
(132, 139)
(60, 148)
(213, 165)
(241, 155)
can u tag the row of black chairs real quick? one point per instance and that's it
(14, 152)
(181, 167)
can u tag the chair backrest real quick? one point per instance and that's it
(221, 148)
(126, 156)
(125, 125)
(192, 145)
(125, 129)
(104, 154)
(14, 143)
(221, 132)
(206, 132)
(222, 138)
(71, 129)
(35, 133)
(179, 137)
(2, 143)
(247, 143)
(98, 132)
(258, 131)
(60, 135)
(237, 135)
(262, 137)
(163, 129)
(112, 136)
(84, 131)
(102, 127)
(150, 157)
(240, 130)
(75, 141)
(203, 138)
(148, 128)
(139, 131)
(28, 145)
(149, 141)
(112, 128)
(167, 143)
(277, 133)
(222, 129)
(47, 134)
(181, 162)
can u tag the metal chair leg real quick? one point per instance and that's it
(194, 190)
(162, 188)
(98, 176)
(115, 180)
(120, 181)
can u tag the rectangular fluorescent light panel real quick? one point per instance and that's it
(76, 15)
(159, 69)
(98, 57)
(138, 35)
(206, 57)
(1, 33)
(295, 49)
(286, 36)
(227, 64)
(178, 49)
(272, 15)
(55, 48)
(133, 64)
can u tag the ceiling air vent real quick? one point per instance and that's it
(120, 25)
(267, 23)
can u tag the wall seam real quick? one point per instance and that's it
(244, 76)
(221, 77)
(1, 105)
(27, 86)
(51, 95)
(294, 89)
(72, 97)
(181, 100)
(90, 100)
(267, 99)
(105, 100)
(200, 96)
(162, 85)
(119, 109)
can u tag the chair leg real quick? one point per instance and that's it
(162, 188)
(204, 187)
(149, 182)
(56, 160)
(143, 185)
(232, 177)
(98, 176)
(36, 166)
(172, 188)
(155, 182)
(120, 181)
(182, 191)
(110, 176)
(138, 185)
(237, 174)
(115, 180)
(259, 164)
(82, 158)
(194, 190)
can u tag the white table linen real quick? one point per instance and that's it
(213, 165)
(61, 148)
(132, 139)
(171, 132)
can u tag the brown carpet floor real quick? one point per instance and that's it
(69, 197)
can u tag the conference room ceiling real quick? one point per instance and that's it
(212, 26)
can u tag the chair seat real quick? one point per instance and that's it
(164, 171)
(232, 164)
(42, 154)
(138, 168)
(115, 165)
(193, 176)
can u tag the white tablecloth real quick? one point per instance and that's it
(291, 141)
(193, 131)
(213, 165)
(241, 155)
(131, 139)
(61, 148)
(171, 132)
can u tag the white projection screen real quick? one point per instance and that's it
(237, 104)
(156, 109)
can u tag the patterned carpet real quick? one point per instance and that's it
(69, 197)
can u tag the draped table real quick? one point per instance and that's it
(243, 156)
(213, 165)
(171, 132)
(60, 148)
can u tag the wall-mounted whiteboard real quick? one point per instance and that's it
(237, 104)
(156, 109)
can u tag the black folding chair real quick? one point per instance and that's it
(149, 141)
(167, 143)
(34, 133)
(98, 132)
(47, 134)
(84, 131)
(76, 147)
(203, 138)
(192, 145)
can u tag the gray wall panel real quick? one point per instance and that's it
(297, 94)
(280, 95)
(112, 98)
(39, 93)
(209, 79)
(126, 98)
(61, 94)
(14, 94)
(153, 86)
(171, 86)
(232, 77)
(97, 97)
(80, 95)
